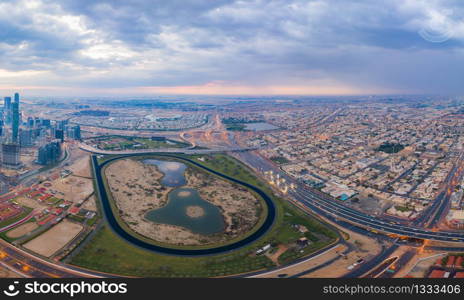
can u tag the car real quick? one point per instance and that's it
(282, 275)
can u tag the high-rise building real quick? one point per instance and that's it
(26, 137)
(73, 132)
(49, 153)
(60, 124)
(16, 98)
(10, 155)
(7, 103)
(59, 134)
(15, 122)
(7, 110)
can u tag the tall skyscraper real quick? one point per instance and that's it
(7, 110)
(7, 103)
(16, 100)
(15, 122)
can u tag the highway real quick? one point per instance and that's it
(335, 211)
(28, 265)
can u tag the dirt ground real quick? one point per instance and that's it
(54, 239)
(90, 204)
(275, 256)
(363, 247)
(32, 203)
(81, 166)
(22, 230)
(72, 188)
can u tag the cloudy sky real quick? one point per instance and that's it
(143, 47)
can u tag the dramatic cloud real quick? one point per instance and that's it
(193, 46)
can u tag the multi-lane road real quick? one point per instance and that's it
(27, 265)
(335, 211)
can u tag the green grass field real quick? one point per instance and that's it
(160, 144)
(236, 127)
(108, 253)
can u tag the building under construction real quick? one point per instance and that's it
(10, 155)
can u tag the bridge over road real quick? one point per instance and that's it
(94, 150)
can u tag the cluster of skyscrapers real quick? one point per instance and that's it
(43, 133)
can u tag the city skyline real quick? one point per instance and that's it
(61, 48)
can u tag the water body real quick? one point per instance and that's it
(261, 126)
(175, 212)
(173, 171)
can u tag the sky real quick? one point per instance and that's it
(273, 47)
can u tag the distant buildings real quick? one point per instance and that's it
(44, 122)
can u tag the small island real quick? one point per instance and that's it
(195, 211)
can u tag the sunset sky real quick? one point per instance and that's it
(146, 47)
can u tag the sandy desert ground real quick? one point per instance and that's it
(32, 203)
(54, 239)
(22, 230)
